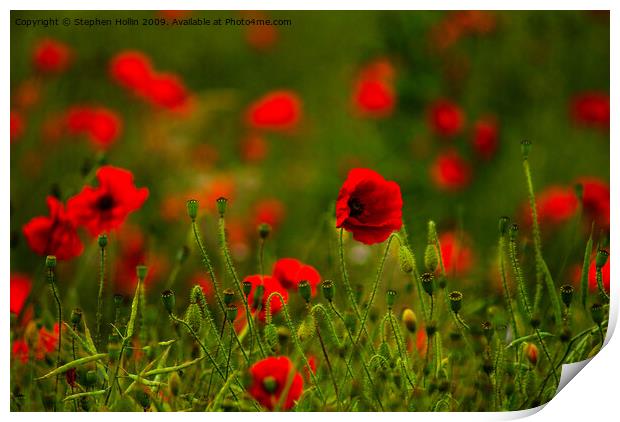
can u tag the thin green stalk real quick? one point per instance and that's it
(516, 266)
(329, 365)
(102, 259)
(584, 269)
(507, 295)
(400, 344)
(51, 278)
(599, 283)
(207, 263)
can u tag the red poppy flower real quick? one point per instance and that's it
(271, 285)
(101, 125)
(596, 200)
(167, 91)
(17, 125)
(269, 211)
(51, 56)
(27, 94)
(485, 140)
(54, 235)
(270, 378)
(446, 118)
(450, 171)
(456, 255)
(555, 205)
(591, 109)
(46, 343)
(132, 70)
(106, 207)
(289, 272)
(312, 361)
(369, 206)
(21, 350)
(277, 111)
(254, 148)
(20, 289)
(374, 98)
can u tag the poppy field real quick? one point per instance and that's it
(306, 211)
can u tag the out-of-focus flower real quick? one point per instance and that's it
(27, 94)
(270, 378)
(271, 285)
(456, 255)
(20, 290)
(450, 171)
(485, 138)
(313, 362)
(167, 91)
(106, 207)
(555, 205)
(102, 126)
(596, 203)
(458, 24)
(54, 235)
(374, 94)
(270, 211)
(289, 272)
(51, 56)
(254, 148)
(591, 109)
(21, 350)
(259, 37)
(275, 111)
(47, 342)
(18, 126)
(133, 251)
(445, 118)
(369, 206)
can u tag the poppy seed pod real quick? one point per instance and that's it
(410, 320)
(76, 316)
(390, 298)
(566, 291)
(456, 299)
(513, 232)
(141, 271)
(263, 230)
(431, 258)
(221, 203)
(247, 288)
(597, 313)
(431, 328)
(503, 225)
(526, 147)
(168, 299)
(270, 384)
(102, 240)
(427, 283)
(405, 259)
(305, 291)
(229, 296)
(192, 209)
(328, 290)
(50, 261)
(601, 258)
(231, 312)
(531, 353)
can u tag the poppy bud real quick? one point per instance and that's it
(197, 296)
(76, 316)
(328, 289)
(456, 299)
(431, 329)
(118, 300)
(305, 291)
(50, 261)
(247, 288)
(229, 296)
(174, 384)
(270, 384)
(431, 258)
(271, 335)
(503, 225)
(221, 205)
(566, 291)
(283, 334)
(410, 320)
(390, 298)
(597, 313)
(526, 147)
(141, 271)
(102, 240)
(601, 258)
(513, 232)
(405, 259)
(231, 312)
(192, 209)
(487, 329)
(305, 331)
(167, 297)
(427, 283)
(263, 230)
(193, 317)
(258, 296)
(531, 353)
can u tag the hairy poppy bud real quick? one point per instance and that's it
(229, 296)
(456, 299)
(258, 296)
(566, 291)
(231, 312)
(597, 313)
(513, 232)
(76, 316)
(531, 353)
(431, 258)
(304, 289)
(263, 230)
(167, 297)
(405, 259)
(197, 296)
(270, 384)
(410, 320)
(306, 328)
(102, 240)
(174, 384)
(328, 289)
(193, 317)
(390, 298)
(192, 209)
(526, 147)
(141, 271)
(601, 258)
(427, 283)
(50, 261)
(247, 288)
(503, 225)
(221, 205)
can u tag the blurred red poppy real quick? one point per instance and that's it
(445, 118)
(289, 272)
(54, 235)
(133, 251)
(102, 126)
(450, 171)
(596, 203)
(51, 56)
(271, 285)
(132, 70)
(17, 125)
(167, 90)
(485, 138)
(555, 205)
(106, 207)
(20, 289)
(276, 111)
(369, 206)
(47, 342)
(591, 109)
(269, 211)
(254, 148)
(374, 94)
(259, 37)
(456, 255)
(270, 378)
(21, 350)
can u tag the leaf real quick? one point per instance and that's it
(173, 368)
(144, 381)
(585, 268)
(89, 339)
(134, 312)
(84, 343)
(73, 364)
(85, 394)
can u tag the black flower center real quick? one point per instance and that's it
(105, 203)
(356, 208)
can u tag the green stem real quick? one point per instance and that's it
(507, 295)
(516, 266)
(599, 283)
(102, 260)
(207, 263)
(51, 277)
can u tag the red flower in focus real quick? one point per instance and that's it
(270, 377)
(596, 200)
(21, 350)
(54, 235)
(456, 256)
(271, 285)
(106, 207)
(485, 140)
(269, 211)
(555, 205)
(101, 125)
(17, 126)
(276, 111)
(446, 118)
(450, 171)
(51, 56)
(47, 342)
(254, 148)
(369, 206)
(289, 272)
(591, 109)
(20, 289)
(132, 70)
